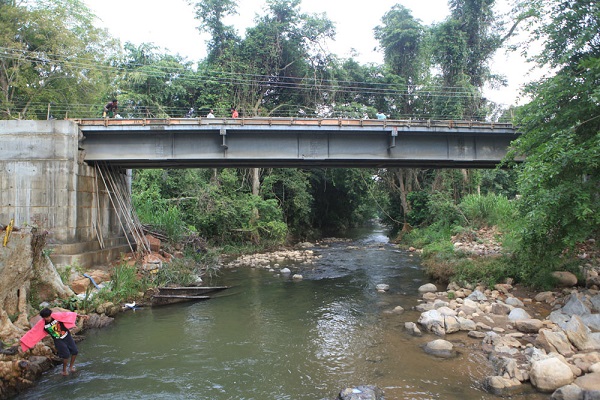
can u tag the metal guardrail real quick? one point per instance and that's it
(314, 122)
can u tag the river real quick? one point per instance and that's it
(269, 337)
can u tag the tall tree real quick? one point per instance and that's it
(52, 54)
(211, 14)
(462, 47)
(560, 177)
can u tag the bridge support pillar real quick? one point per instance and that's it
(44, 182)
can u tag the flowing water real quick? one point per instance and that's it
(270, 337)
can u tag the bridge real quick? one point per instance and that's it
(291, 142)
(70, 177)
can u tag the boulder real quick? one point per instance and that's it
(365, 392)
(440, 348)
(589, 382)
(412, 328)
(544, 297)
(565, 278)
(477, 296)
(382, 287)
(501, 386)
(575, 306)
(568, 392)
(518, 314)
(549, 374)
(500, 309)
(428, 287)
(556, 342)
(514, 302)
(529, 325)
(432, 321)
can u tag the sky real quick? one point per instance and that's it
(173, 27)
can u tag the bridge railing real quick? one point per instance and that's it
(342, 122)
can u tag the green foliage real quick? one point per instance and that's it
(560, 176)
(45, 44)
(419, 212)
(488, 210)
(180, 272)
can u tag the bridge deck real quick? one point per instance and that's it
(294, 142)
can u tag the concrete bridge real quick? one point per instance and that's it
(50, 176)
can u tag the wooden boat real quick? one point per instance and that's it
(179, 294)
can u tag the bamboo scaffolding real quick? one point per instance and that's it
(119, 198)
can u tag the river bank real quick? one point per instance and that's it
(303, 261)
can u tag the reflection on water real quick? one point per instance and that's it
(272, 338)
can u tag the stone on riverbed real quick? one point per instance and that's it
(549, 374)
(382, 287)
(428, 287)
(501, 386)
(440, 348)
(365, 392)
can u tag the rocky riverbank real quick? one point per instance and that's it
(550, 340)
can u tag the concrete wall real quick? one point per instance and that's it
(43, 181)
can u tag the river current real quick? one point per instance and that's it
(270, 337)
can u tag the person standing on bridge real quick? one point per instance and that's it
(57, 325)
(380, 115)
(210, 114)
(111, 108)
(234, 113)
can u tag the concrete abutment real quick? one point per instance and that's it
(45, 183)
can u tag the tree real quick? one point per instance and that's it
(211, 13)
(53, 54)
(560, 177)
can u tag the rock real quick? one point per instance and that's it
(568, 392)
(589, 382)
(382, 287)
(580, 335)
(592, 321)
(297, 277)
(440, 348)
(575, 306)
(517, 314)
(398, 310)
(432, 321)
(285, 271)
(501, 386)
(544, 297)
(595, 302)
(477, 296)
(466, 324)
(514, 302)
(500, 309)
(565, 278)
(366, 392)
(476, 334)
(451, 324)
(154, 243)
(556, 342)
(429, 296)
(549, 374)
(412, 328)
(98, 321)
(428, 287)
(529, 325)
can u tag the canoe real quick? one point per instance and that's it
(180, 294)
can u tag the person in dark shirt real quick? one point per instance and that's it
(57, 326)
(110, 108)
